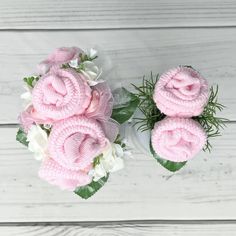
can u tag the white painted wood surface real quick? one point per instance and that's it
(135, 229)
(92, 14)
(204, 189)
(138, 36)
(133, 53)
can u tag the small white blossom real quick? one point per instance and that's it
(93, 53)
(98, 172)
(74, 63)
(110, 161)
(91, 71)
(38, 141)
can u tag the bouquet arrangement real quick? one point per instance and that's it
(181, 112)
(71, 121)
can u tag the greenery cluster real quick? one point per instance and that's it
(125, 104)
(31, 81)
(151, 114)
(209, 119)
(85, 57)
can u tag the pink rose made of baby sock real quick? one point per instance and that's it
(181, 92)
(76, 141)
(178, 139)
(61, 94)
(66, 179)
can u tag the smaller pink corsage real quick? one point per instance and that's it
(180, 112)
(71, 121)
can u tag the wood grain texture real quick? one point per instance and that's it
(92, 14)
(204, 189)
(137, 36)
(138, 229)
(132, 53)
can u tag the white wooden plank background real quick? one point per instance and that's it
(204, 189)
(138, 36)
(92, 14)
(133, 54)
(134, 229)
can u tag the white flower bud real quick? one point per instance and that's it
(38, 141)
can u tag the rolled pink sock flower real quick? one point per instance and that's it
(76, 141)
(178, 139)
(101, 102)
(61, 94)
(66, 179)
(181, 92)
(58, 57)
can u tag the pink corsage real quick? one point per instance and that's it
(71, 121)
(180, 112)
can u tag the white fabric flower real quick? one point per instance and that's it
(92, 53)
(92, 72)
(38, 140)
(110, 161)
(98, 172)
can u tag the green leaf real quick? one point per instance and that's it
(30, 81)
(89, 190)
(85, 57)
(126, 104)
(96, 160)
(169, 165)
(22, 137)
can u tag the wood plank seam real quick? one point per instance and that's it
(120, 222)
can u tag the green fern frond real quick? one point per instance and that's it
(151, 114)
(209, 120)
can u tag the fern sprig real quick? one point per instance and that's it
(151, 114)
(209, 120)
